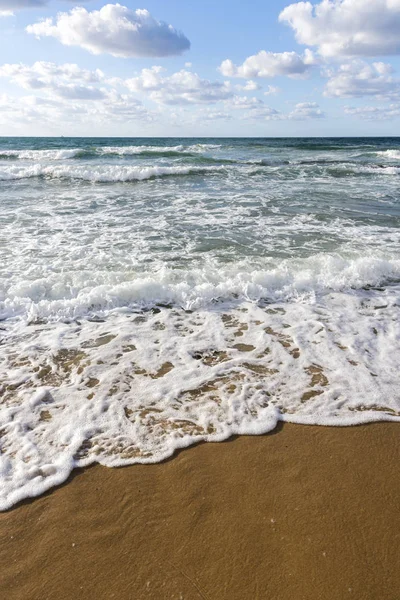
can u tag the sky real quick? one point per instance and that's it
(212, 68)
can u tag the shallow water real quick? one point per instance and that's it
(155, 292)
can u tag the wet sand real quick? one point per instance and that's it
(304, 513)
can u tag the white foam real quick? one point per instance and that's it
(76, 294)
(40, 155)
(99, 174)
(131, 150)
(68, 153)
(138, 386)
(141, 149)
(381, 170)
(390, 154)
(272, 315)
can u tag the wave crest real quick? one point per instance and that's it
(68, 294)
(106, 174)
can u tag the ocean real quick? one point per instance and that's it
(155, 293)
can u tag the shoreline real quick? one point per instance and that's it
(304, 512)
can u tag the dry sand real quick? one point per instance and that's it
(304, 513)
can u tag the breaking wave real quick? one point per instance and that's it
(104, 151)
(106, 174)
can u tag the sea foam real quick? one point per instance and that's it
(78, 294)
(106, 174)
(134, 386)
(249, 282)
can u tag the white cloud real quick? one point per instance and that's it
(42, 73)
(70, 81)
(347, 27)
(250, 86)
(121, 107)
(82, 98)
(65, 81)
(183, 87)
(305, 111)
(58, 92)
(272, 90)
(270, 64)
(358, 78)
(212, 115)
(374, 113)
(256, 109)
(56, 113)
(245, 103)
(113, 29)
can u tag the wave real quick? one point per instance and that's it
(133, 388)
(71, 294)
(390, 154)
(99, 151)
(107, 174)
(41, 154)
(350, 170)
(339, 170)
(178, 150)
(202, 166)
(325, 147)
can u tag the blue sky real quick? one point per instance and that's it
(179, 68)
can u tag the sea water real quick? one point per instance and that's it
(159, 292)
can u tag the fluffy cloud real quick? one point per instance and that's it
(250, 86)
(305, 111)
(272, 90)
(358, 78)
(42, 74)
(183, 87)
(256, 109)
(66, 91)
(245, 103)
(53, 113)
(66, 81)
(270, 64)
(347, 27)
(208, 115)
(374, 113)
(114, 29)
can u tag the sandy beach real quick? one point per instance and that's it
(200, 300)
(303, 513)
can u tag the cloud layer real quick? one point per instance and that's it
(374, 113)
(347, 27)
(114, 29)
(183, 87)
(66, 93)
(65, 81)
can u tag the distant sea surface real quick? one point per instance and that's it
(158, 292)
